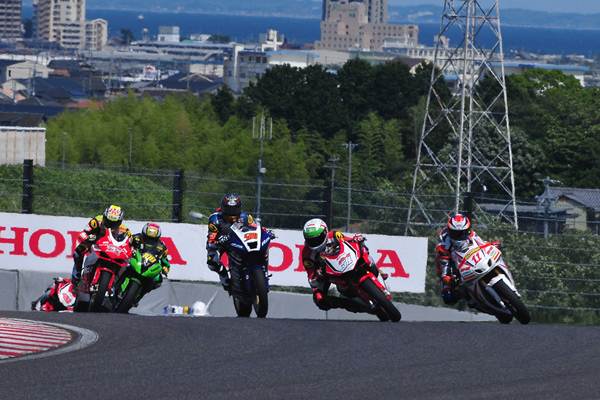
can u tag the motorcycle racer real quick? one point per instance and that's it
(148, 240)
(219, 224)
(456, 236)
(112, 219)
(50, 300)
(318, 240)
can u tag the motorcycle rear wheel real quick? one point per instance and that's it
(129, 299)
(98, 298)
(513, 301)
(261, 298)
(373, 291)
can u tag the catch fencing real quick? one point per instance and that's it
(555, 255)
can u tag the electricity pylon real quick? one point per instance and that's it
(465, 144)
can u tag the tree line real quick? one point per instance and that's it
(555, 126)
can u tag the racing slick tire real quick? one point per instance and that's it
(373, 291)
(97, 299)
(260, 302)
(129, 299)
(513, 301)
(242, 309)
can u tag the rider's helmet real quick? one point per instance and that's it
(315, 234)
(459, 229)
(151, 232)
(231, 207)
(112, 217)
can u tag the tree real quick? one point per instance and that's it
(219, 39)
(393, 86)
(27, 28)
(356, 89)
(127, 35)
(223, 103)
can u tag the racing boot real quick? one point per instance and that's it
(449, 295)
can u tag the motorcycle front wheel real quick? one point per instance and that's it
(129, 299)
(242, 309)
(260, 302)
(513, 302)
(374, 293)
(98, 298)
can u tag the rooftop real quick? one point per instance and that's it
(589, 198)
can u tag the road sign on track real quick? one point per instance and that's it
(21, 337)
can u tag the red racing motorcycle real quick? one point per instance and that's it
(108, 256)
(349, 269)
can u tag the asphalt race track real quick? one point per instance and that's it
(226, 358)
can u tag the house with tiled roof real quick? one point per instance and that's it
(583, 205)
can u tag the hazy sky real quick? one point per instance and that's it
(576, 6)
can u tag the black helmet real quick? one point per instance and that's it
(113, 217)
(231, 205)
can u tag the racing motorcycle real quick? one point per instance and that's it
(59, 297)
(138, 278)
(247, 248)
(108, 256)
(348, 267)
(490, 285)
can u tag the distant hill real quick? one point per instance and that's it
(514, 17)
(312, 9)
(292, 8)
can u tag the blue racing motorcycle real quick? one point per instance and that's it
(247, 248)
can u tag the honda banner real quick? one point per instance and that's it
(46, 243)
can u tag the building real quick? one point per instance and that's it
(10, 20)
(248, 65)
(169, 34)
(377, 11)
(22, 143)
(22, 70)
(271, 40)
(361, 25)
(582, 204)
(205, 57)
(96, 34)
(61, 21)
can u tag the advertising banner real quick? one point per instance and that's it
(45, 243)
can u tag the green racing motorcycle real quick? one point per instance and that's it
(138, 279)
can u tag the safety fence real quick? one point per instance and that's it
(555, 255)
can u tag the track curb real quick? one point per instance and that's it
(85, 338)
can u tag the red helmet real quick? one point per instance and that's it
(459, 227)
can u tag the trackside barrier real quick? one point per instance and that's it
(46, 243)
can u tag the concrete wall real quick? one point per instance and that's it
(19, 289)
(18, 144)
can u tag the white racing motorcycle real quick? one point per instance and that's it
(490, 284)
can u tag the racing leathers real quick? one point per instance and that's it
(159, 250)
(319, 282)
(94, 231)
(219, 228)
(447, 260)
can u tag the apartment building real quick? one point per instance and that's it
(96, 34)
(10, 20)
(361, 25)
(61, 21)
